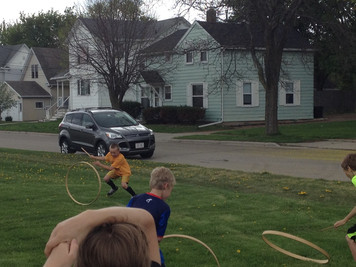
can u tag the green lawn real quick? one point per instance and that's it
(227, 210)
(289, 133)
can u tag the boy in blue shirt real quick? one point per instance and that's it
(161, 184)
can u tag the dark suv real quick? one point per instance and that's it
(95, 129)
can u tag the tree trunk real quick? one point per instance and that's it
(271, 111)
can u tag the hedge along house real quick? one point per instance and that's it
(210, 67)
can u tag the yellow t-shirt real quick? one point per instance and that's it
(122, 167)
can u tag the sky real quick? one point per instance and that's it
(11, 11)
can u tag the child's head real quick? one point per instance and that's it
(349, 165)
(122, 244)
(114, 149)
(162, 178)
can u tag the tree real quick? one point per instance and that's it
(6, 99)
(275, 18)
(39, 30)
(110, 53)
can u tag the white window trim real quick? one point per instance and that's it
(190, 94)
(296, 92)
(207, 56)
(79, 83)
(186, 58)
(164, 93)
(39, 102)
(254, 94)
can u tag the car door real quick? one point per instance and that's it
(75, 129)
(87, 133)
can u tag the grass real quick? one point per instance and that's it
(289, 133)
(227, 210)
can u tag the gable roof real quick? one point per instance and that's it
(234, 35)
(28, 89)
(152, 29)
(152, 77)
(166, 44)
(52, 60)
(7, 52)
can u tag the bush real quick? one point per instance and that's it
(173, 114)
(168, 114)
(190, 115)
(8, 118)
(131, 107)
(152, 115)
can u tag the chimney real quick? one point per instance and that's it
(211, 15)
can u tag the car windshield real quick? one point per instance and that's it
(114, 119)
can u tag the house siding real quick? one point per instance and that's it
(30, 113)
(238, 66)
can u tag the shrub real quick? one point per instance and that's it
(190, 115)
(173, 114)
(131, 107)
(152, 115)
(168, 114)
(8, 118)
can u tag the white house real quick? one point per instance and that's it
(86, 90)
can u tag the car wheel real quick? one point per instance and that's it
(101, 149)
(65, 147)
(146, 155)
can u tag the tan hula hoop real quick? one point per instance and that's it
(99, 181)
(196, 240)
(301, 240)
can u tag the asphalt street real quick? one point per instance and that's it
(320, 160)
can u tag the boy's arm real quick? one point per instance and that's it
(351, 214)
(79, 226)
(97, 157)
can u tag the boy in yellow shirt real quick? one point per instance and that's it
(119, 168)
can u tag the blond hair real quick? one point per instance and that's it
(122, 244)
(161, 176)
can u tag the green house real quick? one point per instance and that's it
(209, 66)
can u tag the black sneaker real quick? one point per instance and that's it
(112, 191)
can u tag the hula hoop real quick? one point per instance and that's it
(196, 240)
(301, 240)
(97, 175)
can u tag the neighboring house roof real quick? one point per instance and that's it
(166, 44)
(152, 77)
(28, 89)
(152, 29)
(7, 52)
(52, 61)
(236, 35)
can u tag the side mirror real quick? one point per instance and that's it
(90, 126)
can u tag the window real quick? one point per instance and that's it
(87, 121)
(39, 105)
(203, 56)
(247, 94)
(83, 87)
(289, 93)
(34, 71)
(167, 92)
(83, 55)
(197, 95)
(189, 57)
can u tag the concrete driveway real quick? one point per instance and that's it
(309, 160)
